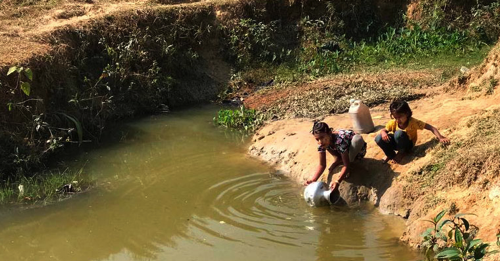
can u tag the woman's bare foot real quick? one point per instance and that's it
(385, 160)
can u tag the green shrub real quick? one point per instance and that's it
(243, 119)
(252, 41)
(395, 46)
(43, 186)
(455, 242)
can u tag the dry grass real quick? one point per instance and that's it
(333, 95)
(26, 24)
(473, 157)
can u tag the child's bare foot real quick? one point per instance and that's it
(399, 157)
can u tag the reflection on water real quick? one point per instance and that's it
(177, 187)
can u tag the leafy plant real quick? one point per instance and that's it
(455, 243)
(25, 86)
(24, 75)
(485, 21)
(251, 40)
(246, 119)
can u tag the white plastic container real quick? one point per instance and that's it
(317, 194)
(361, 118)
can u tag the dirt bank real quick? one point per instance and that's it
(406, 190)
(92, 63)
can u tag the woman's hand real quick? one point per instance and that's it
(385, 137)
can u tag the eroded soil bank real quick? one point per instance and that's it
(463, 178)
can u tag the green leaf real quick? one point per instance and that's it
(11, 70)
(440, 215)
(431, 221)
(466, 223)
(78, 127)
(480, 251)
(444, 223)
(459, 238)
(10, 106)
(464, 214)
(26, 87)
(29, 73)
(473, 243)
(449, 253)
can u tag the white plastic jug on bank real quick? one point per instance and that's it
(361, 118)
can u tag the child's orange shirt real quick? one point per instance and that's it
(411, 129)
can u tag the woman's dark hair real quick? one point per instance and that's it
(400, 107)
(320, 127)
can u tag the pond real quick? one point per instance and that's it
(175, 187)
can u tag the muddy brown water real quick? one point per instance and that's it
(177, 188)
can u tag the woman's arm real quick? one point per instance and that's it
(436, 133)
(319, 170)
(347, 167)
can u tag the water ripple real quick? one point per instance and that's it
(263, 204)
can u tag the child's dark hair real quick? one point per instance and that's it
(402, 107)
(320, 127)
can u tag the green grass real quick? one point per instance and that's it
(394, 48)
(449, 64)
(43, 187)
(418, 49)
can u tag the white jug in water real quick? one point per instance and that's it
(361, 118)
(318, 194)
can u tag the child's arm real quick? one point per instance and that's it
(347, 166)
(436, 133)
(319, 170)
(337, 162)
(385, 137)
